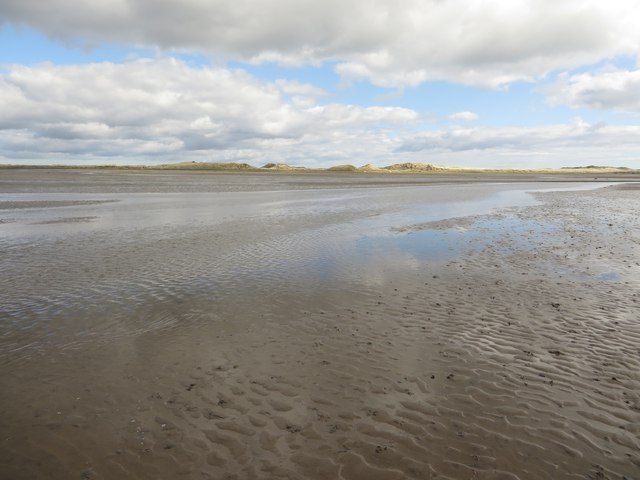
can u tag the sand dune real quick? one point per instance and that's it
(404, 168)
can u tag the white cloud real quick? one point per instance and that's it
(465, 116)
(455, 139)
(290, 87)
(166, 110)
(577, 143)
(487, 42)
(610, 89)
(163, 110)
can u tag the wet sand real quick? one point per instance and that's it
(122, 181)
(397, 331)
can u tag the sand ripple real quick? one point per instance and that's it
(515, 361)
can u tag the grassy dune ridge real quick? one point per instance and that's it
(397, 168)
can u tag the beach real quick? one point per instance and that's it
(273, 325)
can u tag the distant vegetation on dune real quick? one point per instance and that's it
(281, 167)
(204, 166)
(398, 168)
(596, 167)
(415, 167)
(343, 168)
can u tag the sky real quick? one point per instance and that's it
(483, 83)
